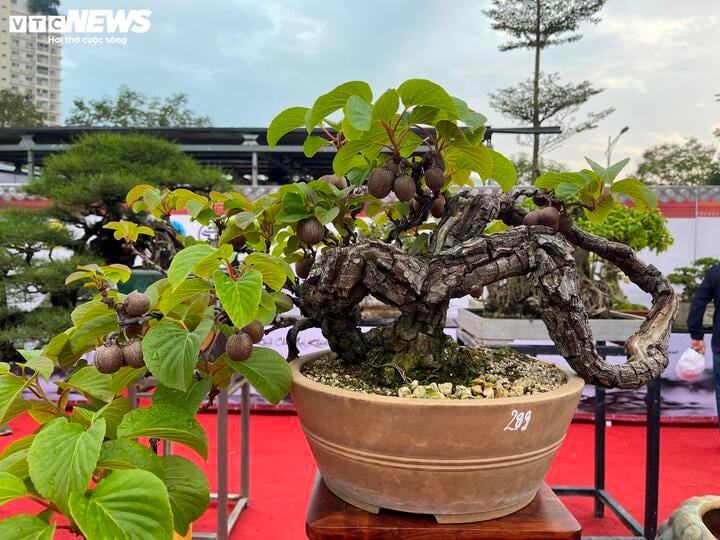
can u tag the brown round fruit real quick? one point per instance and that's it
(238, 242)
(393, 166)
(303, 267)
(133, 330)
(136, 304)
(133, 354)
(550, 217)
(416, 205)
(566, 223)
(310, 231)
(555, 203)
(532, 218)
(438, 161)
(380, 182)
(434, 178)
(239, 347)
(256, 331)
(334, 180)
(438, 207)
(108, 358)
(404, 188)
(540, 200)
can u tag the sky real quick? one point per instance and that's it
(242, 61)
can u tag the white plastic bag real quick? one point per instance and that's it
(690, 366)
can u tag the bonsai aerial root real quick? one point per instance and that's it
(461, 260)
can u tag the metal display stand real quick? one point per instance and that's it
(225, 522)
(652, 450)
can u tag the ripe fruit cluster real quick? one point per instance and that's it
(239, 346)
(111, 357)
(549, 216)
(392, 176)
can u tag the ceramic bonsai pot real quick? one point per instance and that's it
(459, 460)
(697, 518)
(476, 330)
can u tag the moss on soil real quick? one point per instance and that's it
(494, 373)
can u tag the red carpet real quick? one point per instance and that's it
(282, 471)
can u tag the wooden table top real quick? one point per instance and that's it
(329, 518)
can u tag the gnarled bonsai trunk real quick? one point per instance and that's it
(460, 261)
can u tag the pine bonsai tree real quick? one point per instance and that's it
(88, 182)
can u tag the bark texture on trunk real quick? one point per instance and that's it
(461, 260)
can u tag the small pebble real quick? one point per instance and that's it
(404, 391)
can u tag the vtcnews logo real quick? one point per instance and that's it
(84, 21)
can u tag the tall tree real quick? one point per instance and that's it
(32, 271)
(131, 108)
(18, 110)
(537, 25)
(524, 167)
(690, 163)
(44, 7)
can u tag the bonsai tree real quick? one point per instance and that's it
(690, 277)
(201, 323)
(88, 183)
(419, 265)
(32, 271)
(637, 228)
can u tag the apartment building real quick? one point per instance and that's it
(29, 63)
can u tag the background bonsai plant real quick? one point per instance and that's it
(86, 185)
(690, 277)
(598, 279)
(199, 324)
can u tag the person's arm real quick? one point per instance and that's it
(700, 300)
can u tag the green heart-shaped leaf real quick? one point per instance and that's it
(239, 297)
(166, 422)
(26, 527)
(171, 352)
(267, 371)
(62, 458)
(11, 488)
(127, 504)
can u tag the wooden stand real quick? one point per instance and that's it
(329, 518)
